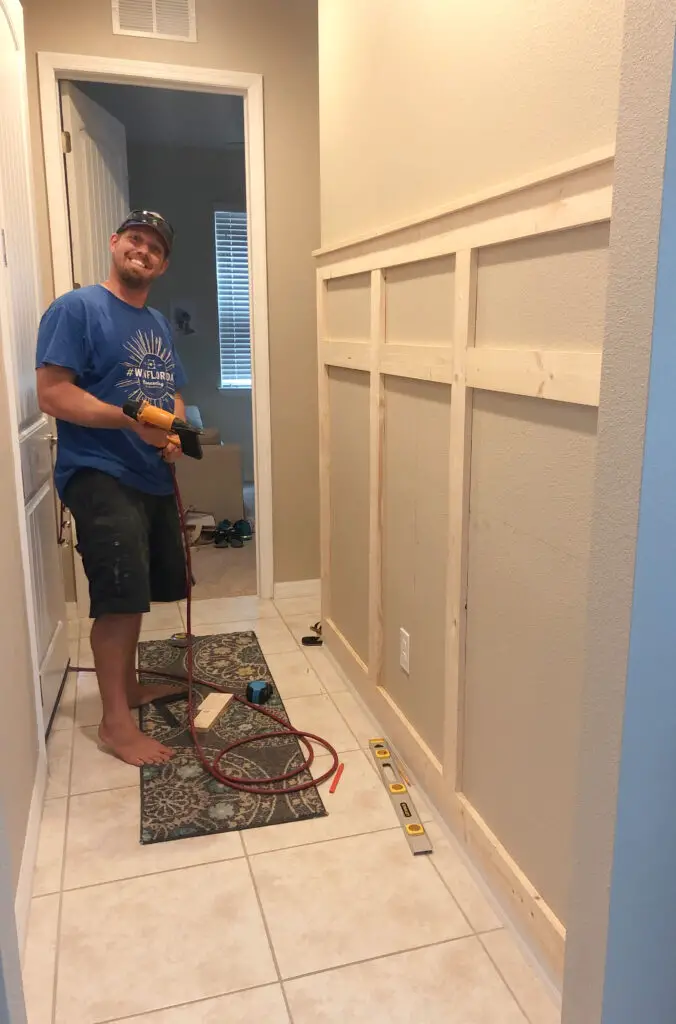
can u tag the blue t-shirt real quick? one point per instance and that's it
(117, 352)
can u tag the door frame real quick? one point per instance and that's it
(52, 68)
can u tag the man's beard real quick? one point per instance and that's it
(131, 279)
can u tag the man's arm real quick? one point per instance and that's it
(60, 397)
(172, 451)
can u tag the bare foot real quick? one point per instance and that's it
(138, 695)
(126, 741)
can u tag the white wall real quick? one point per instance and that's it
(191, 182)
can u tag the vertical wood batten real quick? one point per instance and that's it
(376, 430)
(324, 451)
(458, 513)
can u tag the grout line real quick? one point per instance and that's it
(383, 956)
(59, 917)
(162, 871)
(454, 897)
(504, 979)
(108, 789)
(191, 1002)
(227, 860)
(321, 842)
(267, 932)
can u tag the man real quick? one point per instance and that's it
(98, 347)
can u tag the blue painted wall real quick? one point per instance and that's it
(640, 983)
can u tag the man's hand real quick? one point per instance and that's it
(151, 435)
(171, 452)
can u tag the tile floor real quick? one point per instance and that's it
(315, 922)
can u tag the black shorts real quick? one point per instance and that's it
(130, 542)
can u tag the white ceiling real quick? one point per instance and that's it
(171, 116)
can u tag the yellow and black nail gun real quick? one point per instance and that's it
(178, 430)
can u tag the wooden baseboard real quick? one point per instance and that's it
(513, 889)
(24, 889)
(519, 899)
(298, 588)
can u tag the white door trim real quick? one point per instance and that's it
(14, 16)
(54, 66)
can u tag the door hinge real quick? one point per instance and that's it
(66, 143)
(3, 246)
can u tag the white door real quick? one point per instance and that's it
(19, 311)
(97, 179)
(98, 201)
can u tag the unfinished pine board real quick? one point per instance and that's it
(420, 302)
(211, 708)
(540, 373)
(515, 890)
(545, 292)
(348, 308)
(349, 406)
(559, 211)
(532, 470)
(458, 504)
(324, 456)
(415, 543)
(351, 355)
(419, 362)
(376, 418)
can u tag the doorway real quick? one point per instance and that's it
(188, 143)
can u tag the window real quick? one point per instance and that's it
(232, 282)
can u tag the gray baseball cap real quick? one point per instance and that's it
(149, 219)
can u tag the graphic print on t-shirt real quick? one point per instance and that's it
(149, 369)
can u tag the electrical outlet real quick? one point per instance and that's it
(404, 650)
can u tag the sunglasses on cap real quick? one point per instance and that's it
(148, 219)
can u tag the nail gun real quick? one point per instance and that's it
(178, 430)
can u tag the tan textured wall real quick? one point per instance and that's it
(278, 41)
(349, 491)
(18, 730)
(348, 308)
(545, 292)
(421, 104)
(531, 494)
(421, 302)
(415, 542)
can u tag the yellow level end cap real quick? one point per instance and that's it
(415, 830)
(378, 739)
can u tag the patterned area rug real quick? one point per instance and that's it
(180, 799)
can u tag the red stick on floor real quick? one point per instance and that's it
(336, 778)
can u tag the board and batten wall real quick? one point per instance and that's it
(457, 465)
(461, 307)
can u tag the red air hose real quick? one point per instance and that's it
(274, 786)
(213, 767)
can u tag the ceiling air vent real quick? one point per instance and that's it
(160, 19)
